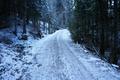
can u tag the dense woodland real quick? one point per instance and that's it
(96, 24)
(20, 12)
(14, 12)
(93, 23)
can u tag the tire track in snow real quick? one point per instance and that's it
(80, 71)
(58, 65)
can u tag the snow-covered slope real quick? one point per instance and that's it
(54, 57)
(13, 54)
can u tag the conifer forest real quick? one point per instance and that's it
(59, 39)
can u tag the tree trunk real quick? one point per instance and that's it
(113, 56)
(24, 26)
(103, 22)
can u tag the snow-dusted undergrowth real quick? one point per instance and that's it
(14, 55)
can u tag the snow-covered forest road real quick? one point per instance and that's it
(36, 44)
(57, 58)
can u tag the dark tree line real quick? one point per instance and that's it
(20, 11)
(96, 24)
(14, 12)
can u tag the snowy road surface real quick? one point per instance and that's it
(57, 58)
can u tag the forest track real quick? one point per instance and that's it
(60, 61)
(77, 70)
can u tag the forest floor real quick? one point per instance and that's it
(54, 57)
